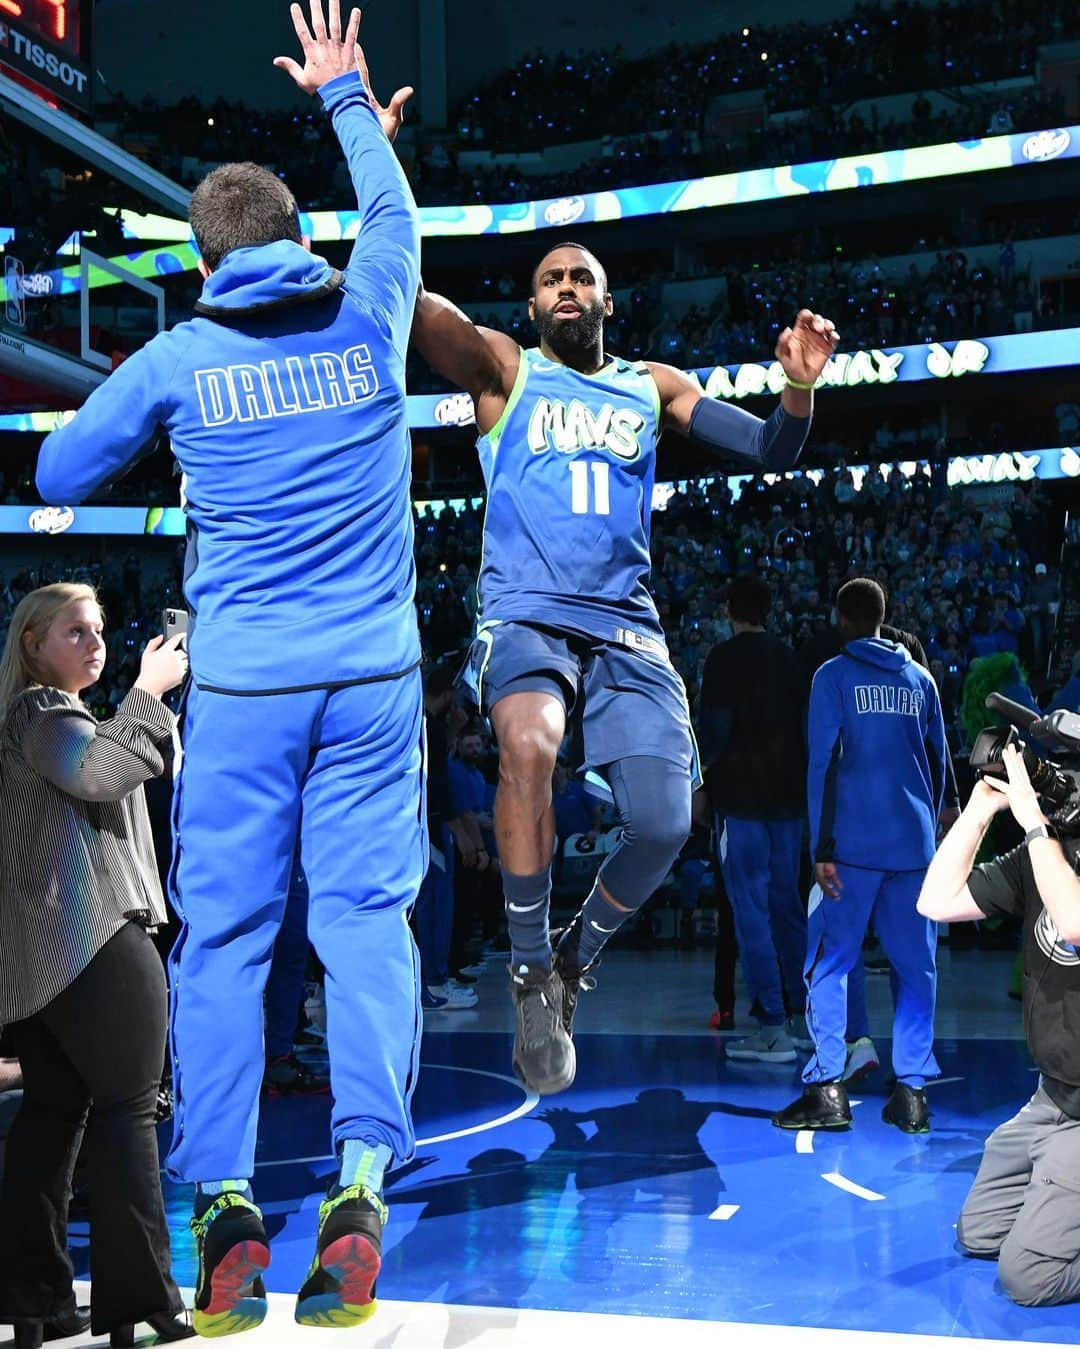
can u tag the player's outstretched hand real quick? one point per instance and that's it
(804, 348)
(393, 114)
(327, 54)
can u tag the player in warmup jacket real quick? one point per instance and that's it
(284, 401)
(567, 628)
(875, 787)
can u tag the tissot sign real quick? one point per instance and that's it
(59, 73)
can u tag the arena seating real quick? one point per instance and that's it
(960, 574)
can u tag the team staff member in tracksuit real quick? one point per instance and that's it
(875, 788)
(284, 400)
(829, 642)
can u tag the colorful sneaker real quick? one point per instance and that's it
(862, 1059)
(339, 1290)
(287, 1076)
(722, 1020)
(233, 1253)
(544, 1057)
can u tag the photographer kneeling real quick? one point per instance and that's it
(1024, 1208)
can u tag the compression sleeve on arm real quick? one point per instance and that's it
(773, 444)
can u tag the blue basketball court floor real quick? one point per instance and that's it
(654, 1199)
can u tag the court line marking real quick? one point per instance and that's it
(531, 1101)
(842, 1183)
(942, 1081)
(724, 1212)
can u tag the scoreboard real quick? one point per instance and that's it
(47, 45)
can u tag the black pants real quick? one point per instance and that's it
(95, 1050)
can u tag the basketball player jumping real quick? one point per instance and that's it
(567, 626)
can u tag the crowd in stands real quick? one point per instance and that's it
(870, 305)
(874, 50)
(873, 304)
(825, 133)
(970, 574)
(602, 96)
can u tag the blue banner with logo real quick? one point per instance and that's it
(971, 470)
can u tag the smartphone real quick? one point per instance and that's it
(174, 621)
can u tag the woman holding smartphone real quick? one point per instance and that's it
(81, 986)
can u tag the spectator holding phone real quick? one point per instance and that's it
(82, 990)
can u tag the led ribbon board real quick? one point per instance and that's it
(1008, 354)
(873, 169)
(964, 471)
(147, 263)
(749, 185)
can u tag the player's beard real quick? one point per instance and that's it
(569, 338)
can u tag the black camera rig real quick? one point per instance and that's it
(1058, 787)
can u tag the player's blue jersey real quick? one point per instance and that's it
(569, 469)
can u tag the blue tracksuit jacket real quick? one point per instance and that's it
(284, 400)
(877, 759)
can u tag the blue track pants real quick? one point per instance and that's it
(760, 861)
(343, 770)
(836, 931)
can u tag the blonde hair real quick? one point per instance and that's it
(34, 615)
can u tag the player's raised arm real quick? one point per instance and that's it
(114, 427)
(385, 265)
(776, 442)
(481, 361)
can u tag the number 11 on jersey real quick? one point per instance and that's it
(579, 487)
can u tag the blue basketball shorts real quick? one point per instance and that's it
(619, 701)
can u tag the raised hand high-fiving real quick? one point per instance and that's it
(327, 54)
(393, 114)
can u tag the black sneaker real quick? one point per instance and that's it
(908, 1109)
(230, 1295)
(576, 978)
(287, 1076)
(823, 1105)
(544, 1058)
(340, 1287)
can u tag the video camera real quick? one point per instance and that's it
(1058, 788)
